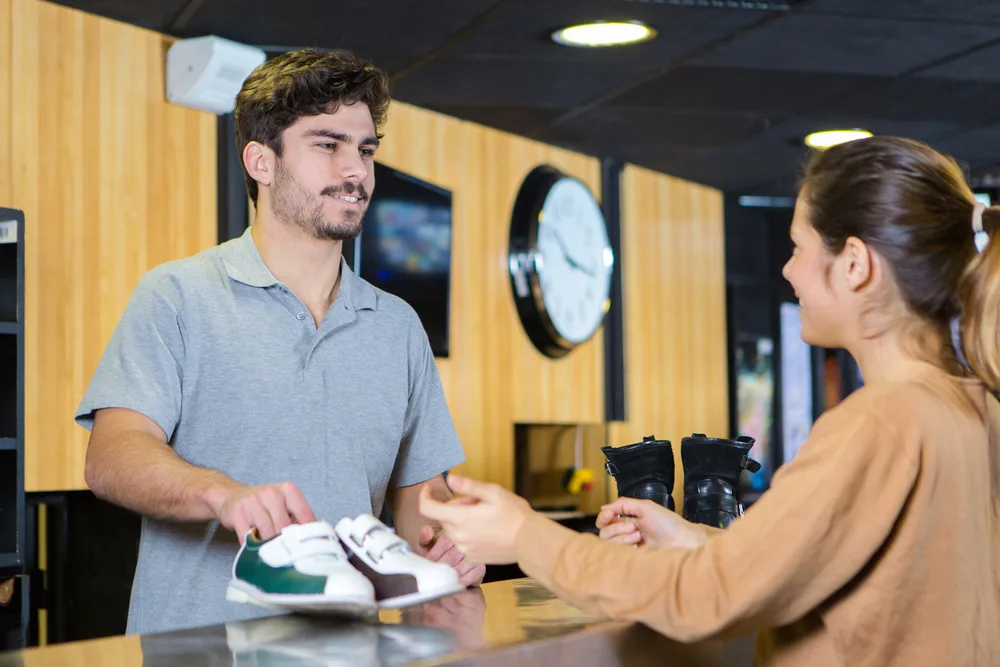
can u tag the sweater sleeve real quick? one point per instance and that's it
(825, 517)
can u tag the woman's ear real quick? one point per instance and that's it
(859, 263)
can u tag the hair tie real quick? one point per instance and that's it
(977, 216)
(980, 237)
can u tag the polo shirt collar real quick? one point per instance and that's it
(244, 264)
(360, 292)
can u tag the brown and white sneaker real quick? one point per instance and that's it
(401, 578)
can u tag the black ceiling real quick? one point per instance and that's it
(723, 95)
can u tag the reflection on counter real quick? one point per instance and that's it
(295, 640)
(505, 623)
(474, 620)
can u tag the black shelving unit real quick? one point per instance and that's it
(13, 618)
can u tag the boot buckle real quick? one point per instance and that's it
(610, 467)
(749, 464)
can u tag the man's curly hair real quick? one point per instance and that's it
(306, 82)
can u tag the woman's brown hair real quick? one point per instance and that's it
(912, 205)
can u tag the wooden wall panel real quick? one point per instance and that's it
(494, 377)
(6, 50)
(551, 453)
(113, 180)
(675, 318)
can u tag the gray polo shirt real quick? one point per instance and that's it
(230, 364)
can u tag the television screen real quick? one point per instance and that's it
(405, 248)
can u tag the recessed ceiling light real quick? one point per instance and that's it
(827, 138)
(604, 33)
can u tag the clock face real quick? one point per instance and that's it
(573, 259)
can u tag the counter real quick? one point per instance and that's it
(502, 624)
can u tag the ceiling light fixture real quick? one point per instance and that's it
(828, 138)
(604, 33)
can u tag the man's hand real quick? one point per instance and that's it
(462, 614)
(268, 508)
(440, 549)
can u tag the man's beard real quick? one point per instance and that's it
(293, 203)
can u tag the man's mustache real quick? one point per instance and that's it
(346, 189)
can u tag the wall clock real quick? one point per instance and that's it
(560, 261)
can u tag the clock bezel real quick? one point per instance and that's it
(525, 280)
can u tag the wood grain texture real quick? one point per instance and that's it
(673, 279)
(494, 377)
(6, 51)
(551, 452)
(113, 180)
(107, 651)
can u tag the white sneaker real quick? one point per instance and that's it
(292, 639)
(303, 569)
(400, 577)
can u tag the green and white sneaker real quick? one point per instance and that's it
(304, 569)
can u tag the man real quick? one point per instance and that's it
(261, 382)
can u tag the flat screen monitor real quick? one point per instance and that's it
(405, 248)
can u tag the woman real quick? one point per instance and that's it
(879, 544)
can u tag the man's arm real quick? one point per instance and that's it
(129, 463)
(425, 535)
(406, 517)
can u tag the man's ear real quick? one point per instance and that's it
(259, 161)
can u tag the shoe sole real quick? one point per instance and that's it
(411, 599)
(243, 592)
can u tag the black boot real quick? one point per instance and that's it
(712, 469)
(643, 470)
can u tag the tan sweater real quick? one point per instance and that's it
(879, 544)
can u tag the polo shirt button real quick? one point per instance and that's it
(300, 316)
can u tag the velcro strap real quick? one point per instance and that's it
(315, 547)
(305, 531)
(380, 541)
(374, 535)
(363, 525)
(297, 542)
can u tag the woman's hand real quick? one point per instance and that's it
(483, 524)
(638, 522)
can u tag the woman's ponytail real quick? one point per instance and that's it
(979, 299)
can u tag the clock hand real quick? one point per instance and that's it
(569, 259)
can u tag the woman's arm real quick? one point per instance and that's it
(827, 513)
